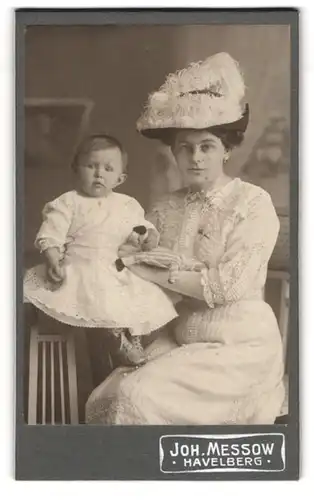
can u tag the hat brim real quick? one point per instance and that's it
(236, 126)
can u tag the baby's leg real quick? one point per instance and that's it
(100, 347)
(129, 347)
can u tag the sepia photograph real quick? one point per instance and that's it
(163, 150)
(156, 229)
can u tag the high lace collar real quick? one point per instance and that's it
(213, 196)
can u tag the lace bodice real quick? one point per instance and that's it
(234, 231)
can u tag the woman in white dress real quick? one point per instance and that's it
(221, 362)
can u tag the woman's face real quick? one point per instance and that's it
(200, 157)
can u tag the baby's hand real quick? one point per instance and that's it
(134, 239)
(55, 268)
(56, 273)
(144, 239)
(141, 234)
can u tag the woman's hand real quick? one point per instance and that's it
(159, 258)
(188, 283)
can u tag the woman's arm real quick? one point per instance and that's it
(187, 282)
(248, 249)
(247, 252)
(165, 268)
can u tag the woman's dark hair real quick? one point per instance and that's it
(230, 134)
(229, 138)
(96, 142)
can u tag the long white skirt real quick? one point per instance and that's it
(197, 384)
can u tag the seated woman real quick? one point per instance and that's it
(220, 361)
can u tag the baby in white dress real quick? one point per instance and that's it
(81, 233)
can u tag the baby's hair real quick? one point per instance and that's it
(96, 142)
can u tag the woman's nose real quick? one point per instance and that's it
(196, 155)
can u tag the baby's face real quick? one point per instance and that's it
(100, 172)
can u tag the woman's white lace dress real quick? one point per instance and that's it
(228, 367)
(89, 232)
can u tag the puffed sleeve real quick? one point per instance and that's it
(57, 218)
(138, 216)
(248, 250)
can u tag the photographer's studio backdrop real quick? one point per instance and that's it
(97, 79)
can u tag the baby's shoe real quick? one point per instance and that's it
(130, 351)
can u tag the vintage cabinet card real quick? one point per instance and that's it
(157, 230)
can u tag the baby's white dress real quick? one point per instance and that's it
(89, 232)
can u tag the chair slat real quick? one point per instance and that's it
(61, 382)
(52, 357)
(52, 382)
(44, 380)
(72, 379)
(284, 316)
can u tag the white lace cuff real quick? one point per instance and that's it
(45, 243)
(208, 295)
(191, 264)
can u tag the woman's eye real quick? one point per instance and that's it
(187, 148)
(90, 165)
(205, 148)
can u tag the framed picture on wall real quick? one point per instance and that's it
(53, 129)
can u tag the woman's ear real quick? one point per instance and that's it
(121, 179)
(226, 156)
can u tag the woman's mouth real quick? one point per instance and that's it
(196, 170)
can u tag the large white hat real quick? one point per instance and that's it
(206, 94)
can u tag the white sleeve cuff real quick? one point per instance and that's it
(45, 243)
(208, 295)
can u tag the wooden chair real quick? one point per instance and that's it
(52, 381)
(283, 319)
(283, 314)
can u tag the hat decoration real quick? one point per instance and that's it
(205, 94)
